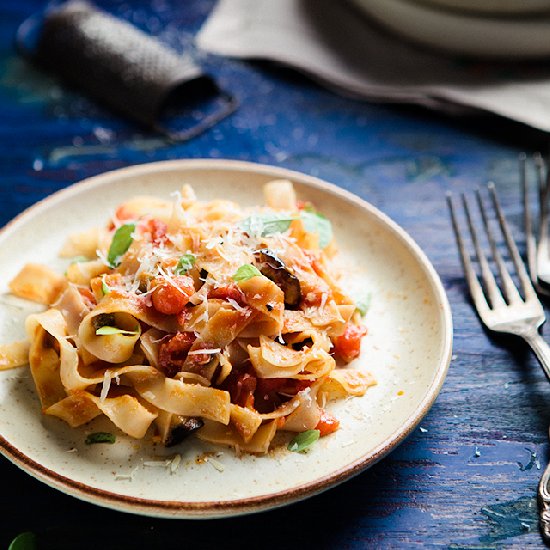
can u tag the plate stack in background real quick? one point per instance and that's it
(500, 29)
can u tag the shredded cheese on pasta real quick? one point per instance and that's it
(214, 319)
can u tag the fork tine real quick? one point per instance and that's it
(476, 291)
(508, 285)
(527, 287)
(490, 284)
(530, 245)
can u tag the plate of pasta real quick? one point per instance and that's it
(206, 338)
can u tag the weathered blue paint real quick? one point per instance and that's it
(455, 483)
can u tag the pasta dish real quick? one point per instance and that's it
(183, 316)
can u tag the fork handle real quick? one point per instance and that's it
(541, 349)
(544, 505)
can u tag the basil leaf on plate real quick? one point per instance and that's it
(120, 244)
(314, 222)
(245, 272)
(362, 303)
(186, 262)
(303, 441)
(100, 437)
(23, 541)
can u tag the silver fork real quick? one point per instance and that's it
(538, 253)
(504, 309)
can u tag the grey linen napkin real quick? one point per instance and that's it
(333, 42)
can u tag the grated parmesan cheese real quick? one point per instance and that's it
(216, 464)
(105, 387)
(236, 305)
(126, 477)
(175, 463)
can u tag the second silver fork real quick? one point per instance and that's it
(537, 249)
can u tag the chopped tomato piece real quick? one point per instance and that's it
(231, 291)
(272, 392)
(87, 297)
(327, 424)
(171, 296)
(122, 214)
(241, 385)
(158, 230)
(173, 352)
(348, 346)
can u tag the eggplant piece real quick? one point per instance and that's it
(271, 266)
(181, 428)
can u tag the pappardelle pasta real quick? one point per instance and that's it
(182, 316)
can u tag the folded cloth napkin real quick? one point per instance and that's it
(334, 43)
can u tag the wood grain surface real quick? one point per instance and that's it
(467, 478)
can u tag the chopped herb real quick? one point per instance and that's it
(120, 244)
(79, 259)
(23, 541)
(245, 272)
(104, 287)
(303, 441)
(268, 224)
(362, 303)
(107, 330)
(314, 222)
(187, 261)
(100, 437)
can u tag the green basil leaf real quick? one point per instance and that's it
(268, 224)
(186, 262)
(104, 287)
(100, 437)
(107, 330)
(23, 541)
(362, 303)
(314, 222)
(245, 272)
(303, 441)
(120, 244)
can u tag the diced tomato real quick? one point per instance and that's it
(87, 297)
(272, 392)
(122, 214)
(231, 291)
(348, 346)
(327, 424)
(171, 296)
(158, 230)
(173, 352)
(241, 385)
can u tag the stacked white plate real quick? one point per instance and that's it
(482, 28)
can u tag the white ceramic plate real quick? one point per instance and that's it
(495, 7)
(408, 348)
(463, 33)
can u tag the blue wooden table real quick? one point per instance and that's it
(467, 478)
